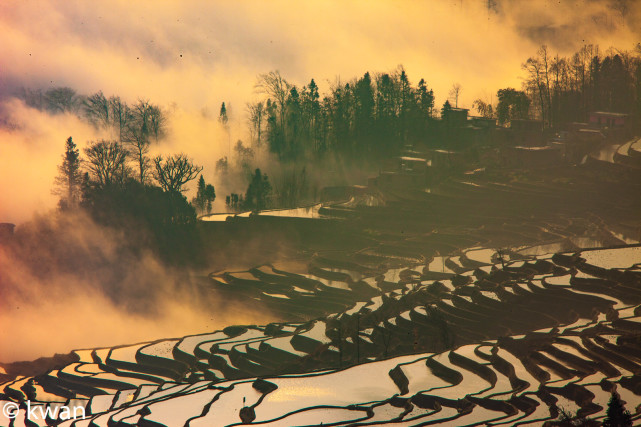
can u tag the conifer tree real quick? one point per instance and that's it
(616, 414)
(68, 183)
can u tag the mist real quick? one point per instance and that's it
(189, 57)
(67, 282)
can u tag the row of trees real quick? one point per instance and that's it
(375, 116)
(560, 90)
(133, 126)
(370, 116)
(565, 89)
(257, 197)
(152, 212)
(512, 104)
(128, 122)
(107, 166)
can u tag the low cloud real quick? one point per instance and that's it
(189, 57)
(67, 283)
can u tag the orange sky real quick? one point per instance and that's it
(193, 55)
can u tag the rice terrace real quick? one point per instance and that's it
(191, 240)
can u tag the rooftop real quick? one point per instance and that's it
(609, 113)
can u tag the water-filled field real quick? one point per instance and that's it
(504, 302)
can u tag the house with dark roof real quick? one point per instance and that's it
(608, 119)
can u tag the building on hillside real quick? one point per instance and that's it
(608, 119)
(456, 117)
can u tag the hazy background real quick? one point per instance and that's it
(190, 56)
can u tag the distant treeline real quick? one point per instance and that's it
(560, 90)
(364, 117)
(565, 89)
(142, 120)
(359, 121)
(378, 114)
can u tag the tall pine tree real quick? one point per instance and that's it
(67, 184)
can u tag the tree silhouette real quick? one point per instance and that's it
(222, 166)
(445, 110)
(616, 414)
(97, 110)
(205, 195)
(485, 109)
(68, 182)
(138, 132)
(513, 104)
(244, 156)
(258, 192)
(61, 100)
(222, 116)
(106, 161)
(234, 202)
(120, 115)
(455, 92)
(174, 172)
(256, 114)
(277, 88)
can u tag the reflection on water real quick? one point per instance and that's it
(550, 248)
(302, 212)
(613, 258)
(216, 217)
(438, 264)
(606, 153)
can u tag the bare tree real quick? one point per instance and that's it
(61, 100)
(538, 69)
(455, 92)
(256, 114)
(157, 122)
(174, 172)
(138, 143)
(98, 109)
(244, 156)
(106, 161)
(277, 88)
(141, 114)
(32, 97)
(121, 115)
(485, 109)
(137, 135)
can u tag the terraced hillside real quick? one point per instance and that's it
(526, 339)
(475, 302)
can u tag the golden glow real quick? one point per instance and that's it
(191, 56)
